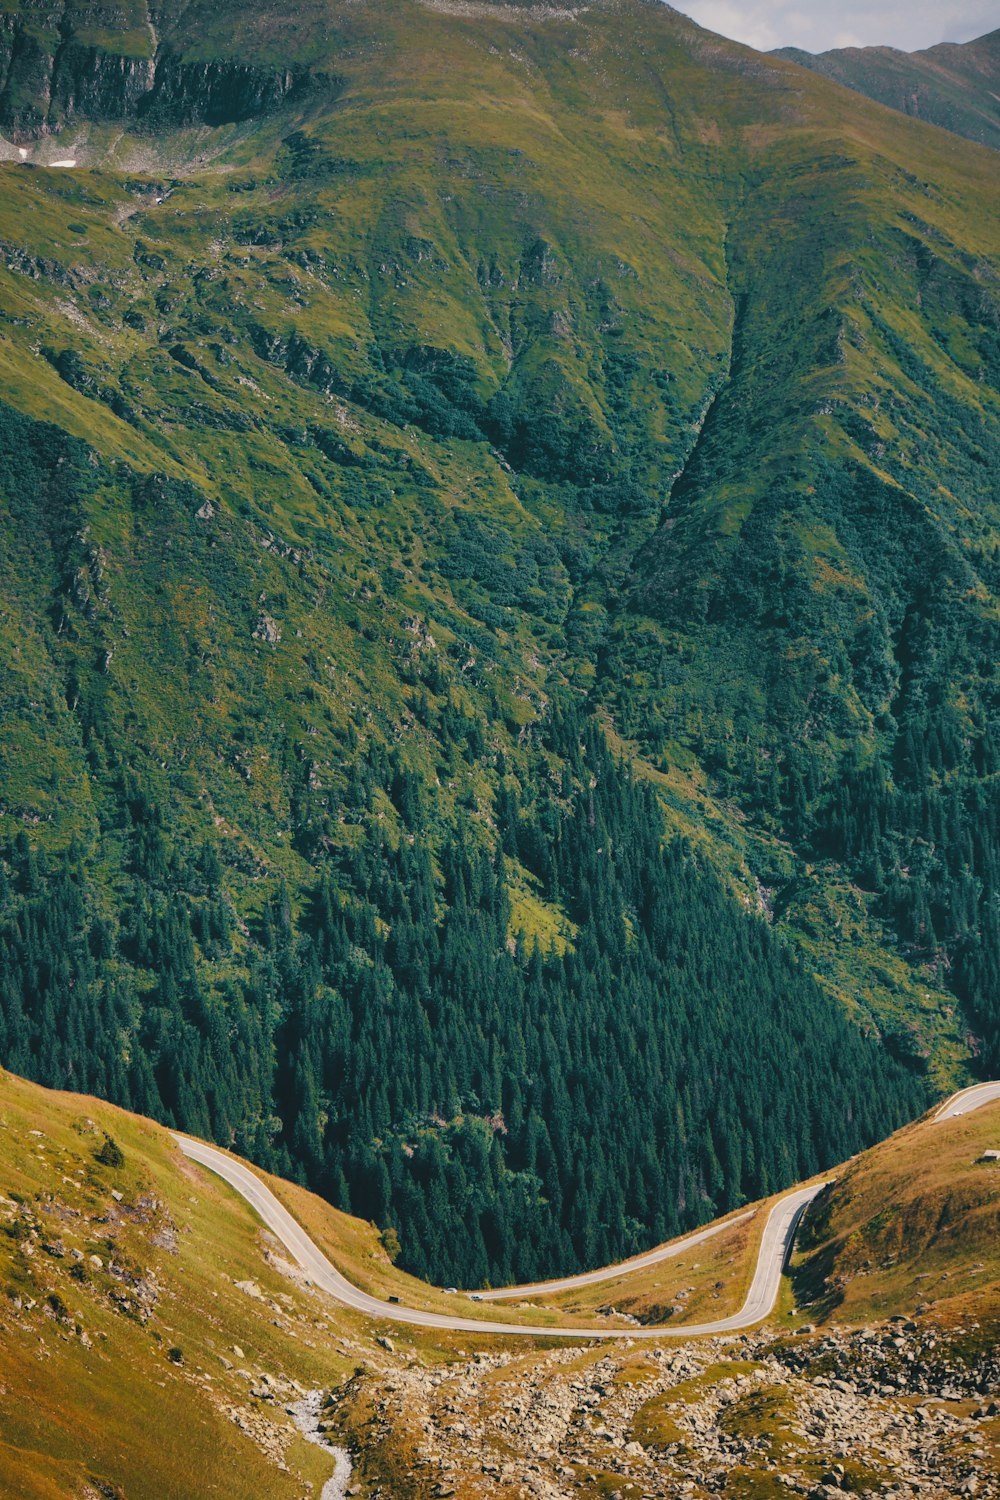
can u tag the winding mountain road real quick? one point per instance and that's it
(775, 1247)
(612, 1273)
(967, 1100)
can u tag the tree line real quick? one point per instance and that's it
(511, 1108)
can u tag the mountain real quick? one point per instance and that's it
(954, 85)
(500, 571)
(142, 1298)
(121, 1306)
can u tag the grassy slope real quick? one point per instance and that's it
(417, 221)
(953, 85)
(79, 1387)
(84, 1362)
(887, 1231)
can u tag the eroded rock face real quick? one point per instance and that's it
(50, 79)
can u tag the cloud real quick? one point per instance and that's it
(745, 23)
(908, 24)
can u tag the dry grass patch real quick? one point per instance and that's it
(913, 1224)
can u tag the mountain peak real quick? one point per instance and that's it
(955, 85)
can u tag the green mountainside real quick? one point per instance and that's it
(499, 612)
(955, 85)
(141, 1298)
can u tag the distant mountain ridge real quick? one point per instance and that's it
(954, 85)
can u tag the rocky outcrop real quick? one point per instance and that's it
(896, 1409)
(50, 79)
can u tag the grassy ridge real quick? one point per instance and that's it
(189, 1305)
(952, 85)
(85, 1349)
(887, 1228)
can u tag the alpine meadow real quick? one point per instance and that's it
(500, 610)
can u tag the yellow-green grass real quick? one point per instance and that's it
(218, 1241)
(655, 1424)
(912, 1224)
(217, 1234)
(731, 1258)
(714, 1277)
(93, 1396)
(90, 1392)
(537, 921)
(766, 1416)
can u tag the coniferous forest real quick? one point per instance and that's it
(499, 599)
(507, 1110)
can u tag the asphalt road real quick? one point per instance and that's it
(779, 1233)
(968, 1100)
(776, 1245)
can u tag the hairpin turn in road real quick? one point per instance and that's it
(775, 1248)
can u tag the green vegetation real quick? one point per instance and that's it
(148, 1298)
(110, 1154)
(708, 1282)
(409, 530)
(654, 1425)
(953, 85)
(118, 1316)
(393, 1051)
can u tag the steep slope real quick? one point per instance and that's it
(374, 462)
(881, 1233)
(147, 66)
(127, 1280)
(954, 85)
(140, 1298)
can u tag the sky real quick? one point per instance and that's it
(817, 25)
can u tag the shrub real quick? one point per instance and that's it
(390, 1242)
(110, 1153)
